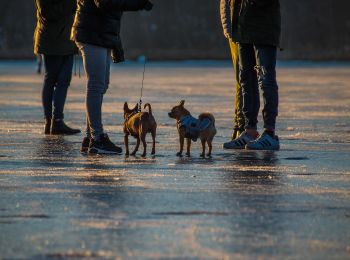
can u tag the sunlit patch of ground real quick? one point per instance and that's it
(293, 203)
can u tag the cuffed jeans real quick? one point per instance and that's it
(58, 75)
(96, 62)
(260, 59)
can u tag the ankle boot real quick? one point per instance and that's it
(58, 127)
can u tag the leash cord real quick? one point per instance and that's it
(143, 79)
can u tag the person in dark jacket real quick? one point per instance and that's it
(257, 29)
(226, 14)
(96, 31)
(52, 41)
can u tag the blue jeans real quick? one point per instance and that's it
(58, 75)
(96, 62)
(262, 59)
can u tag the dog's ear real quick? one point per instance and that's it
(136, 107)
(182, 102)
(126, 107)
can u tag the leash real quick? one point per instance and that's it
(143, 79)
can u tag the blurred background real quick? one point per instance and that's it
(191, 29)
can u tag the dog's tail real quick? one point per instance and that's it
(203, 116)
(149, 108)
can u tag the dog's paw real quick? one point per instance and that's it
(202, 155)
(188, 155)
(209, 155)
(133, 154)
(153, 152)
(179, 154)
(143, 155)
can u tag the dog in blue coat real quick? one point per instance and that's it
(191, 128)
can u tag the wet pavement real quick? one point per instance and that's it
(289, 204)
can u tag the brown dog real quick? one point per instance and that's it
(192, 128)
(138, 124)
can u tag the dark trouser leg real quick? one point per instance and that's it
(63, 82)
(250, 90)
(266, 67)
(52, 65)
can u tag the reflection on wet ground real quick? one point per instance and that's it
(293, 203)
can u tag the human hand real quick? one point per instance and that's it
(117, 55)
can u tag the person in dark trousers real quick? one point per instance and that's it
(257, 29)
(96, 31)
(226, 14)
(52, 41)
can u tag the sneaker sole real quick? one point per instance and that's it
(233, 148)
(262, 149)
(101, 151)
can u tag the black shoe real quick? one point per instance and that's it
(47, 126)
(103, 146)
(85, 145)
(58, 127)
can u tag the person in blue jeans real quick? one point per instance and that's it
(96, 31)
(52, 41)
(257, 29)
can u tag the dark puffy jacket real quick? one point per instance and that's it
(54, 23)
(257, 21)
(97, 22)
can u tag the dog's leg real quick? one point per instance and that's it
(182, 139)
(210, 145)
(126, 143)
(143, 140)
(136, 147)
(188, 148)
(153, 133)
(203, 148)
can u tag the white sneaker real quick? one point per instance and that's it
(264, 142)
(240, 142)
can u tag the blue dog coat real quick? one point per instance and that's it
(194, 126)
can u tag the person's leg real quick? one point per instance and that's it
(63, 82)
(94, 60)
(96, 64)
(266, 67)
(238, 113)
(58, 126)
(52, 66)
(266, 70)
(86, 141)
(250, 97)
(250, 90)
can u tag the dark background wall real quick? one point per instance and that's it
(191, 29)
